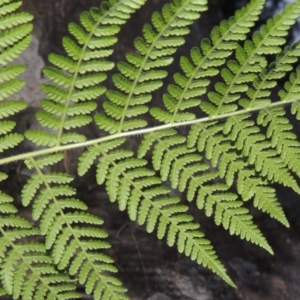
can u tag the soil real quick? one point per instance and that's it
(148, 267)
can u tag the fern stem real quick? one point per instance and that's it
(137, 132)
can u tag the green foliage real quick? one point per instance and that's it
(227, 157)
(27, 270)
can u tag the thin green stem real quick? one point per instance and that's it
(137, 132)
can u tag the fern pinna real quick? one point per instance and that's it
(27, 270)
(227, 158)
(77, 78)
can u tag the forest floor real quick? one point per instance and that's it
(148, 267)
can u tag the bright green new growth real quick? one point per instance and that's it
(226, 148)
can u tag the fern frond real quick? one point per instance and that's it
(6, 126)
(22, 263)
(138, 190)
(9, 141)
(78, 76)
(285, 141)
(11, 107)
(250, 61)
(41, 138)
(259, 94)
(243, 132)
(15, 28)
(29, 272)
(217, 146)
(279, 128)
(44, 161)
(143, 71)
(229, 156)
(205, 62)
(74, 248)
(183, 167)
(88, 157)
(14, 38)
(252, 144)
(218, 149)
(290, 91)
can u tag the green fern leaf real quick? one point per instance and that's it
(11, 36)
(213, 152)
(289, 93)
(51, 206)
(135, 189)
(72, 137)
(278, 126)
(10, 72)
(15, 28)
(11, 107)
(231, 164)
(6, 127)
(9, 88)
(258, 95)
(32, 258)
(9, 21)
(249, 61)
(41, 138)
(142, 73)
(171, 157)
(35, 182)
(290, 88)
(77, 77)
(260, 152)
(88, 157)
(227, 158)
(245, 135)
(10, 140)
(20, 262)
(283, 139)
(205, 62)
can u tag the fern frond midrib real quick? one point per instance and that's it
(75, 237)
(141, 68)
(139, 132)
